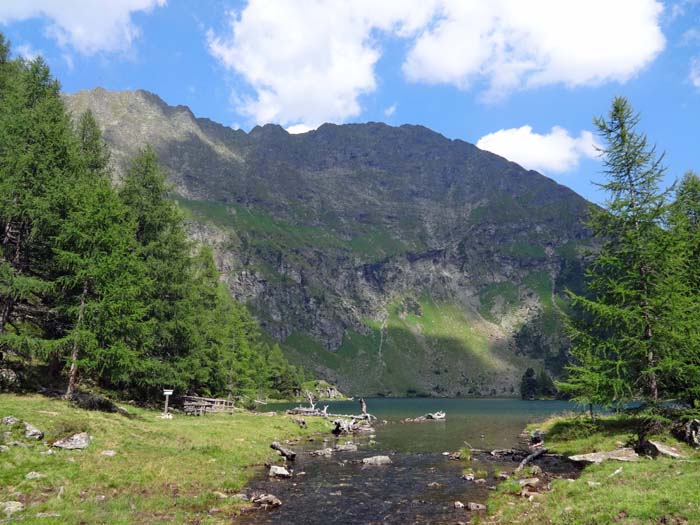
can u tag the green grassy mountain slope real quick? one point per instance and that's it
(389, 260)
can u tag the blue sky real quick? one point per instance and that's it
(522, 78)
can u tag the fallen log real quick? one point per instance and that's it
(527, 460)
(287, 453)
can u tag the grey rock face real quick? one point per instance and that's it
(75, 442)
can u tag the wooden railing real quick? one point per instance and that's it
(198, 406)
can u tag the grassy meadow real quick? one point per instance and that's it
(163, 471)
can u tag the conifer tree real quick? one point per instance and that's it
(37, 166)
(621, 337)
(683, 373)
(99, 276)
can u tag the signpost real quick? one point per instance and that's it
(167, 393)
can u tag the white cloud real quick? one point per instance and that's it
(694, 76)
(555, 152)
(389, 112)
(511, 44)
(88, 26)
(299, 128)
(27, 52)
(311, 61)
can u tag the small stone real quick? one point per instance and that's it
(536, 471)
(100, 497)
(480, 481)
(11, 507)
(31, 432)
(348, 447)
(468, 477)
(48, 515)
(593, 483)
(377, 460)
(10, 420)
(34, 475)
(529, 482)
(475, 506)
(434, 485)
(109, 453)
(279, 472)
(458, 505)
(266, 500)
(337, 493)
(327, 452)
(220, 495)
(503, 475)
(77, 441)
(17, 444)
(4, 448)
(47, 452)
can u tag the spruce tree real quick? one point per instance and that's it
(99, 277)
(621, 334)
(38, 164)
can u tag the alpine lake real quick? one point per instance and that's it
(421, 484)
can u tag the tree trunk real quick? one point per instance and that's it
(72, 374)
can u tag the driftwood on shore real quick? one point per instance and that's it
(529, 458)
(311, 412)
(351, 426)
(431, 416)
(287, 453)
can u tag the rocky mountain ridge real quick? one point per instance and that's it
(389, 260)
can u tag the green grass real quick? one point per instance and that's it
(506, 290)
(647, 492)
(525, 250)
(434, 342)
(164, 471)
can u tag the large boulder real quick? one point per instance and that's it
(659, 448)
(620, 454)
(77, 441)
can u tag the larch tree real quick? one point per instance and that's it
(620, 334)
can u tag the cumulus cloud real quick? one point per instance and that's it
(88, 26)
(694, 76)
(554, 152)
(310, 61)
(511, 44)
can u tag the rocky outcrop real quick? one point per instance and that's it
(78, 441)
(363, 246)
